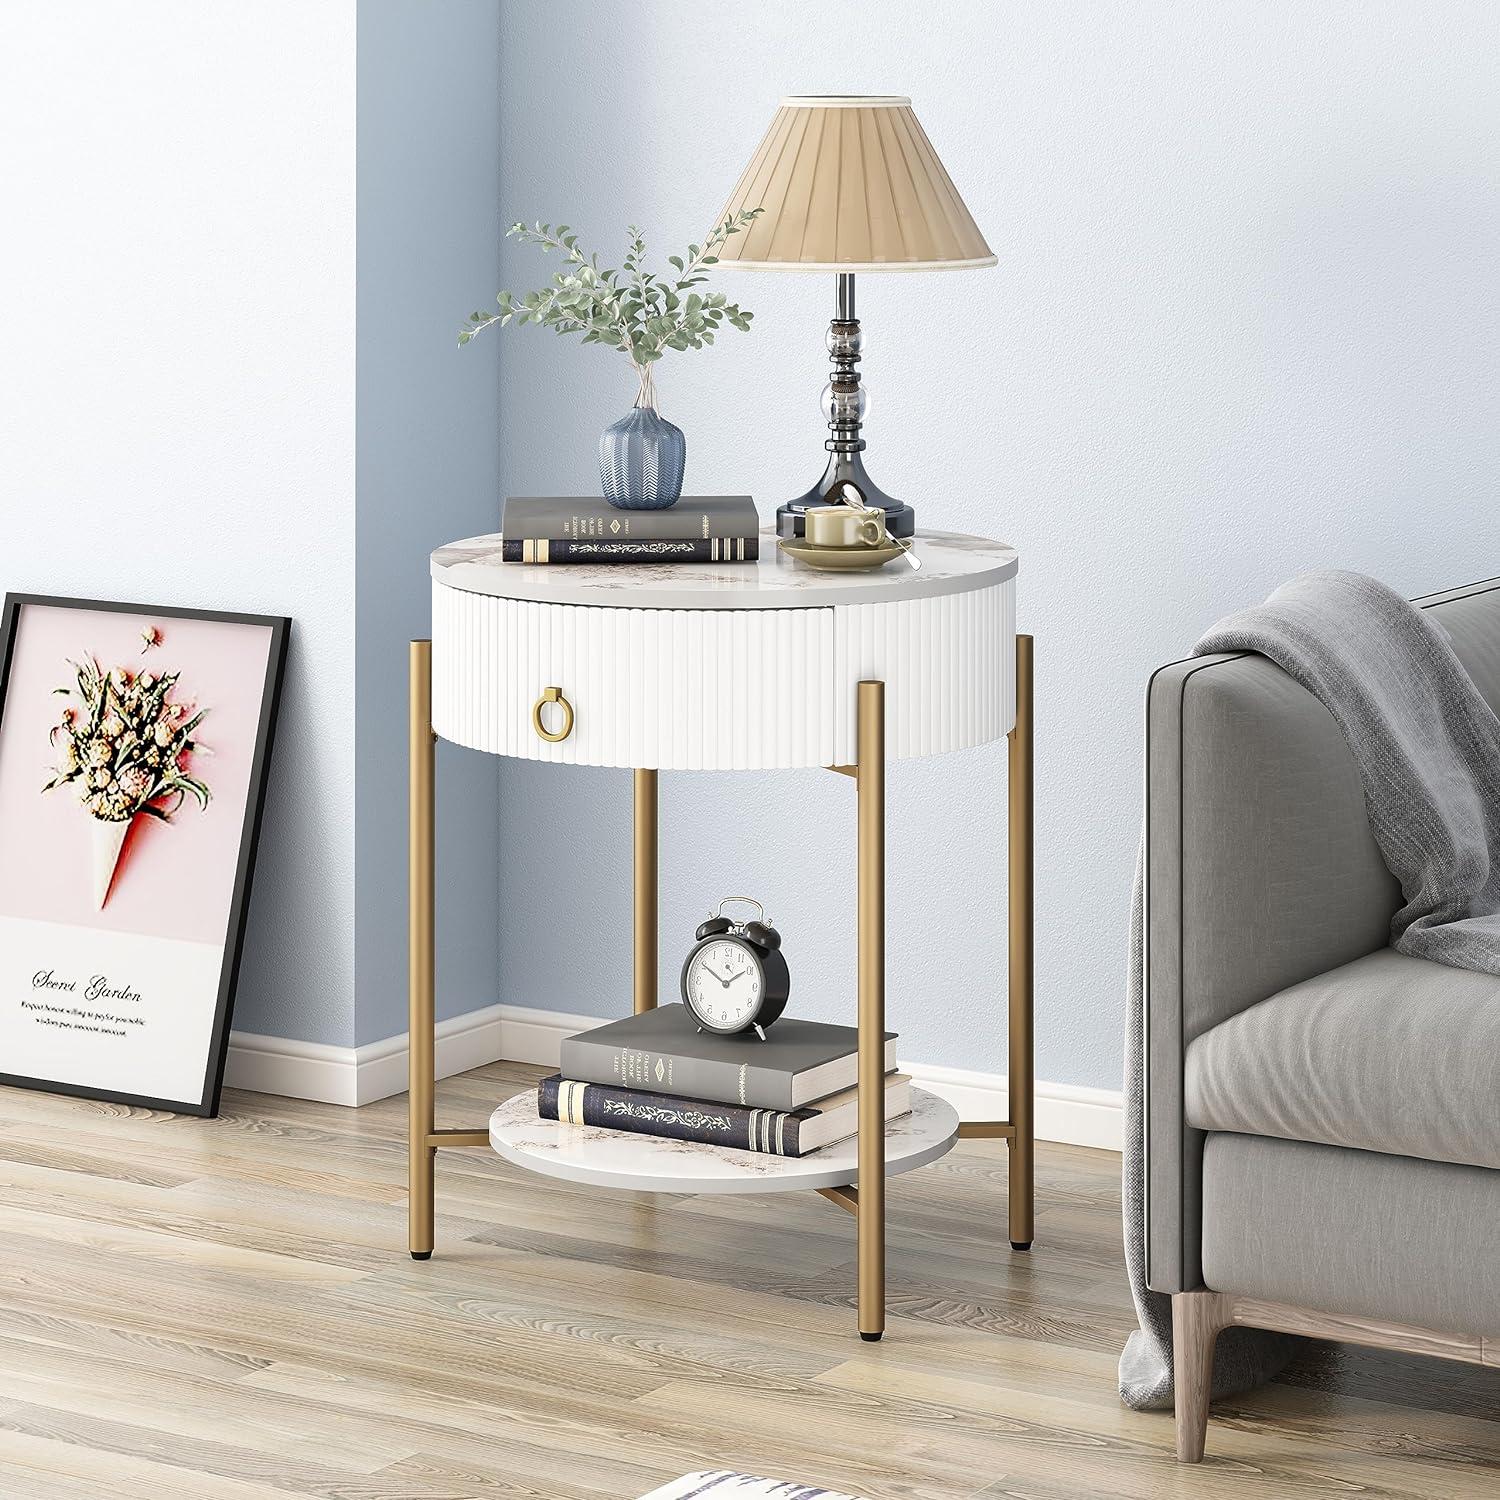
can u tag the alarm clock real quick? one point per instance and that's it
(735, 978)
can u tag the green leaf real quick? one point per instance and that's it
(632, 310)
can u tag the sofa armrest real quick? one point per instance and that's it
(1261, 870)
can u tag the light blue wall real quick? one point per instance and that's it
(428, 177)
(1244, 323)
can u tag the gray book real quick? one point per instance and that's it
(662, 1050)
(556, 518)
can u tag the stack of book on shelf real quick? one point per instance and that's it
(657, 1074)
(588, 529)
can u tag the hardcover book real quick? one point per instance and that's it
(592, 518)
(663, 1051)
(775, 1132)
(643, 549)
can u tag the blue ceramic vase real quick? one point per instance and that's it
(642, 457)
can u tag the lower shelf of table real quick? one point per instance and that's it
(651, 1164)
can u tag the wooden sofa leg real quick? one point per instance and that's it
(1197, 1318)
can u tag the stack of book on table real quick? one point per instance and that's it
(588, 529)
(657, 1074)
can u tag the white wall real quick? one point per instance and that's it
(177, 385)
(1244, 323)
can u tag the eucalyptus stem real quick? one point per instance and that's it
(646, 399)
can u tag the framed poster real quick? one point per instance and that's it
(134, 747)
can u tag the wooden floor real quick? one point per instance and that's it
(226, 1308)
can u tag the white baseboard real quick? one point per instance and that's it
(361, 1075)
(1065, 1112)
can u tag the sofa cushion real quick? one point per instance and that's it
(1354, 1232)
(1388, 1053)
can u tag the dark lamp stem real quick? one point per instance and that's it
(844, 477)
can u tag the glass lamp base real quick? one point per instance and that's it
(845, 481)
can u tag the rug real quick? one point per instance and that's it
(720, 1484)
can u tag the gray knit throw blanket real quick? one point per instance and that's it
(1427, 748)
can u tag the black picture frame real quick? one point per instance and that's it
(207, 1106)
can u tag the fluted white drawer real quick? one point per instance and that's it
(670, 689)
(948, 663)
(722, 689)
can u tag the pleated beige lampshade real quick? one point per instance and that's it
(850, 183)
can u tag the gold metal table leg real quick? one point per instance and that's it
(1020, 984)
(868, 1201)
(422, 1082)
(646, 891)
(870, 1211)
(847, 1198)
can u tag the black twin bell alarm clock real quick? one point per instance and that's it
(735, 978)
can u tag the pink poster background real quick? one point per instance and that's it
(174, 880)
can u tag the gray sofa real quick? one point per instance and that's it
(1322, 1112)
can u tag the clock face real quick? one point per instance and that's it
(723, 985)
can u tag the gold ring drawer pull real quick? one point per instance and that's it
(552, 695)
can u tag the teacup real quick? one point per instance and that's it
(845, 526)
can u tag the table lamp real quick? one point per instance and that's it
(849, 183)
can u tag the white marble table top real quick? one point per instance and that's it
(951, 564)
(653, 1164)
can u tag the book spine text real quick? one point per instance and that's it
(772, 1132)
(552, 550)
(691, 1077)
(678, 523)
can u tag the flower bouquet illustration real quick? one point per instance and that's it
(125, 743)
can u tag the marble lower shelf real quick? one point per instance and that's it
(652, 1164)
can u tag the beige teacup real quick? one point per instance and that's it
(845, 526)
